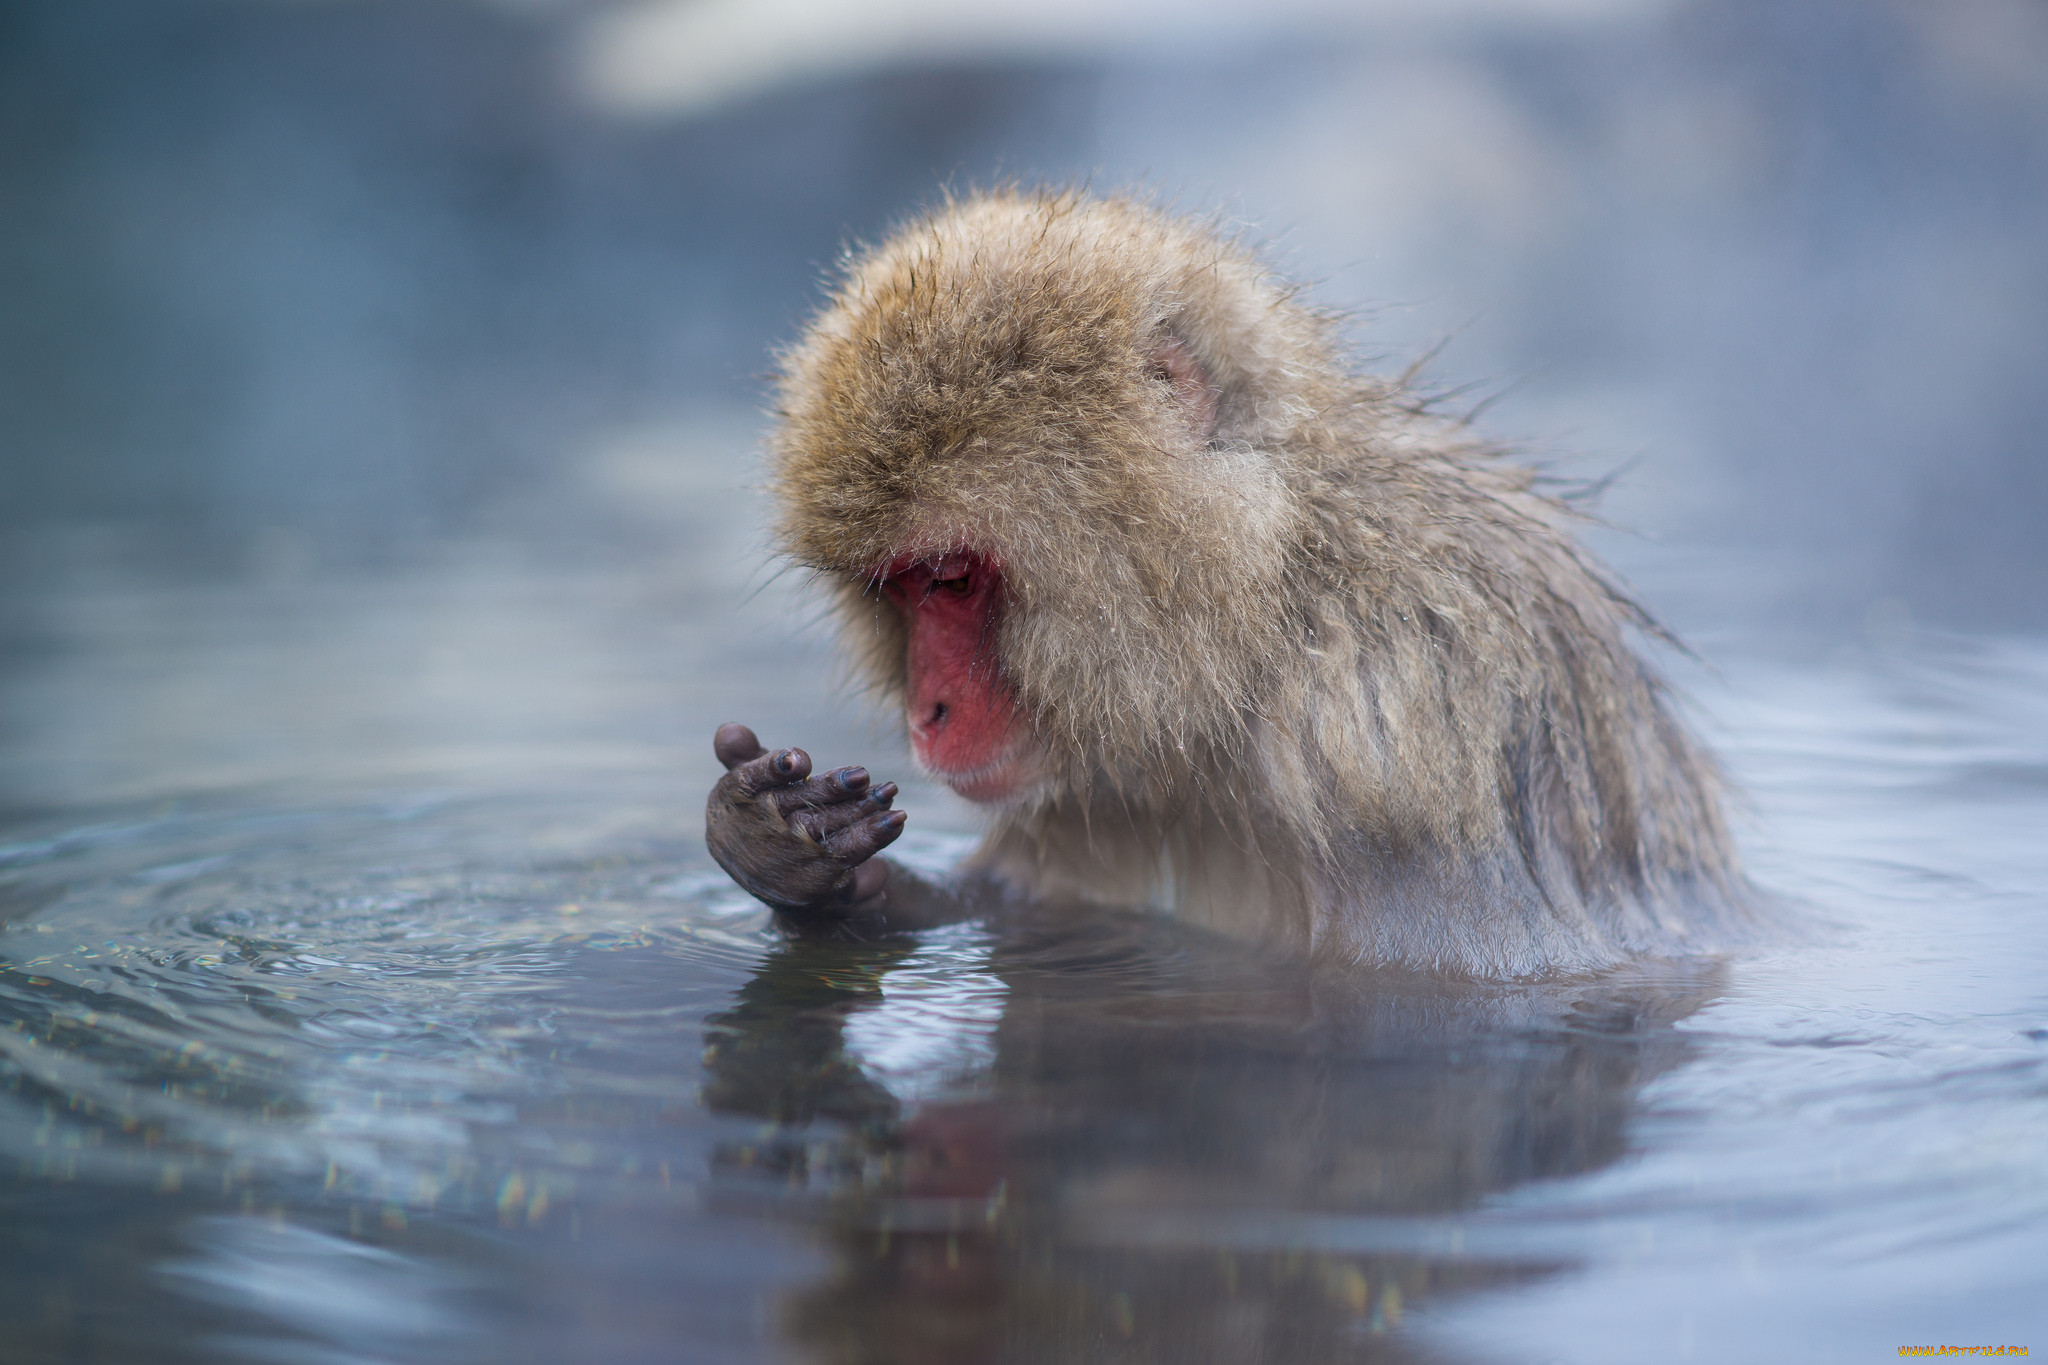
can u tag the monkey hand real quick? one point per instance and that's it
(803, 844)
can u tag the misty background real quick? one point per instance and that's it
(381, 382)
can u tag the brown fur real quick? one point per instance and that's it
(1334, 677)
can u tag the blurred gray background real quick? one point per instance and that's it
(380, 379)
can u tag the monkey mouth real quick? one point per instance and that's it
(965, 724)
(997, 783)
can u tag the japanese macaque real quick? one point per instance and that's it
(1207, 622)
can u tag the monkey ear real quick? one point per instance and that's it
(1193, 394)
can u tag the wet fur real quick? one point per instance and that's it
(1335, 677)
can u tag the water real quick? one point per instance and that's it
(365, 995)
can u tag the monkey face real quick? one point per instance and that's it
(965, 724)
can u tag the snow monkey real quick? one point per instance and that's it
(1207, 622)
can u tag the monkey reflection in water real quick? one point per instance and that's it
(1177, 1152)
(1208, 623)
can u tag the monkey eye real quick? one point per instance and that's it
(958, 575)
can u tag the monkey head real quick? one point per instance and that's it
(1031, 440)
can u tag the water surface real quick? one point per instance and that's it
(366, 995)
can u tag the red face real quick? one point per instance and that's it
(964, 722)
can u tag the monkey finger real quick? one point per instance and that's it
(838, 787)
(770, 771)
(863, 839)
(869, 878)
(735, 744)
(818, 822)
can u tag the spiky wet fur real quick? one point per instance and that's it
(1336, 677)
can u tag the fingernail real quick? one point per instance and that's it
(783, 761)
(853, 779)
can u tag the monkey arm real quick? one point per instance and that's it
(908, 901)
(806, 845)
